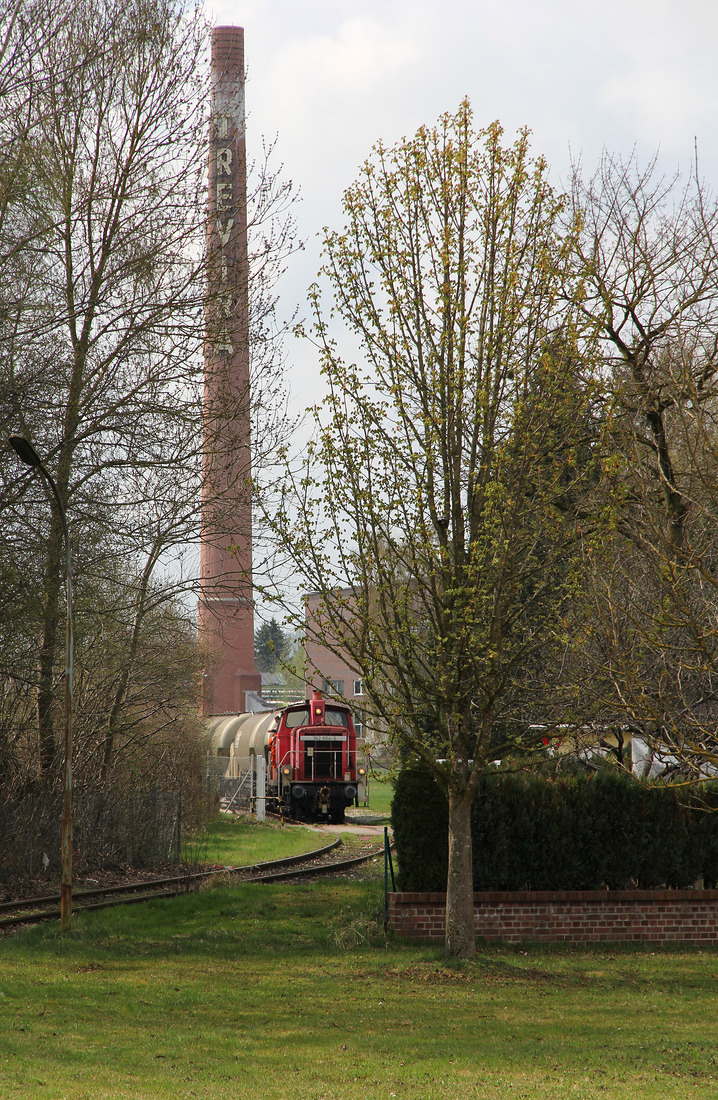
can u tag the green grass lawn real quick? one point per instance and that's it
(279, 992)
(239, 841)
(381, 792)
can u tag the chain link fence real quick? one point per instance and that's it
(110, 830)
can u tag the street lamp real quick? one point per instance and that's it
(30, 457)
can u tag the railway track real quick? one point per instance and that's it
(327, 860)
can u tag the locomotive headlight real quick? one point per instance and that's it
(361, 772)
(286, 772)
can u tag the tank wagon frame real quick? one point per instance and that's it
(310, 752)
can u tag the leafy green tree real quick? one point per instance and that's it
(436, 518)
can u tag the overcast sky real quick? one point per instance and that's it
(331, 77)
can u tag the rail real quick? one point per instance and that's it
(26, 911)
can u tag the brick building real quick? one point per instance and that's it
(329, 672)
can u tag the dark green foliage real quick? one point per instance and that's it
(271, 646)
(706, 833)
(578, 833)
(420, 821)
(670, 846)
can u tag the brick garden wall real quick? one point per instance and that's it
(657, 916)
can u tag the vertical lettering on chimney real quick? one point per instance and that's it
(226, 619)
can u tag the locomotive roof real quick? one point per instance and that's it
(301, 714)
(333, 703)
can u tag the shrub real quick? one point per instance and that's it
(577, 833)
(420, 822)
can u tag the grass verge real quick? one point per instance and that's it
(240, 841)
(283, 992)
(381, 792)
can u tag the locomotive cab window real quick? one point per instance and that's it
(296, 718)
(335, 717)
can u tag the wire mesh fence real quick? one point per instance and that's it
(110, 828)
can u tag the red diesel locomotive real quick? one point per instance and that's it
(310, 752)
(313, 760)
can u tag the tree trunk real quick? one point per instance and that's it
(140, 609)
(50, 622)
(460, 939)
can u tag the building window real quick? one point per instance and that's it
(358, 687)
(333, 687)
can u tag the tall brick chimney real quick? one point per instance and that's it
(226, 617)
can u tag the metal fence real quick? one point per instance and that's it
(236, 793)
(138, 829)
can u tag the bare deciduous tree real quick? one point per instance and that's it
(102, 247)
(648, 267)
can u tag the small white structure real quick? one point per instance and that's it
(260, 787)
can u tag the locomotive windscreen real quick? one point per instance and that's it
(333, 716)
(296, 718)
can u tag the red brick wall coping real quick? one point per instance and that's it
(482, 897)
(577, 916)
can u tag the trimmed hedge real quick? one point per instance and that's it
(576, 833)
(420, 823)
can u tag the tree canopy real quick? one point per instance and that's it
(271, 646)
(646, 637)
(436, 516)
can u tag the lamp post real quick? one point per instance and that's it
(29, 456)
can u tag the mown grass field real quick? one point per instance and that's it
(279, 992)
(240, 842)
(381, 792)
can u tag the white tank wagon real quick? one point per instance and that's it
(236, 738)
